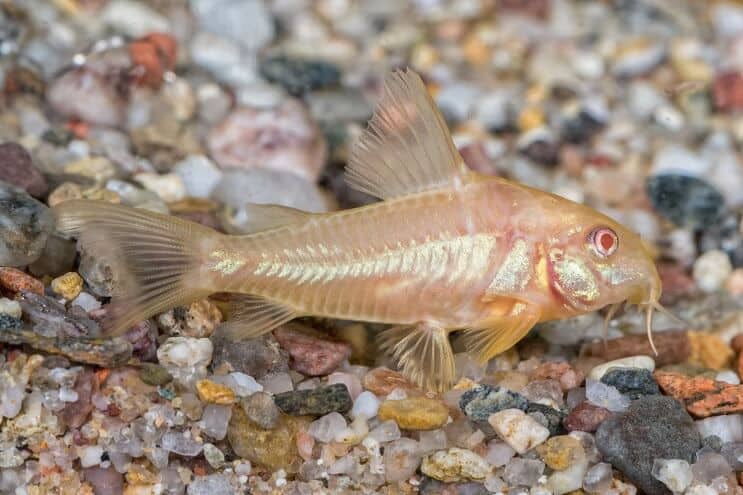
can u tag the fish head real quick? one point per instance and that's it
(593, 261)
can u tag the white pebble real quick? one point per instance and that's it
(728, 376)
(169, 187)
(327, 427)
(674, 473)
(366, 405)
(10, 307)
(67, 395)
(90, 455)
(518, 430)
(701, 490)
(606, 396)
(642, 362)
(728, 427)
(569, 479)
(199, 175)
(87, 302)
(711, 270)
(245, 385)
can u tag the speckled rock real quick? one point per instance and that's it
(315, 402)
(654, 427)
(17, 169)
(482, 401)
(199, 319)
(414, 413)
(275, 448)
(25, 225)
(632, 382)
(455, 465)
(68, 285)
(548, 417)
(261, 409)
(14, 281)
(255, 357)
(312, 353)
(685, 200)
(299, 76)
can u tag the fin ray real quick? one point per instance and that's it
(251, 316)
(407, 147)
(156, 257)
(501, 334)
(423, 353)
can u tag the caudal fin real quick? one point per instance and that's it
(156, 258)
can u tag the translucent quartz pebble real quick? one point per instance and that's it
(606, 396)
(215, 419)
(387, 431)
(214, 484)
(401, 458)
(327, 427)
(676, 474)
(598, 478)
(710, 465)
(520, 471)
(517, 429)
(432, 440)
(499, 453)
(180, 443)
(728, 427)
(733, 453)
(366, 405)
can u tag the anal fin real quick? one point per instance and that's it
(501, 333)
(250, 316)
(423, 354)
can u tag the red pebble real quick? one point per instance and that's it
(586, 417)
(152, 56)
(728, 91)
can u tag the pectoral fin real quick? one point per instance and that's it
(423, 354)
(501, 333)
(251, 316)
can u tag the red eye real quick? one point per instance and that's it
(604, 241)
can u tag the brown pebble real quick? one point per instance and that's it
(312, 352)
(16, 168)
(568, 377)
(673, 347)
(74, 414)
(701, 395)
(586, 417)
(382, 381)
(709, 351)
(13, 280)
(728, 91)
(737, 343)
(152, 56)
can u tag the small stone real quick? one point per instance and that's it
(711, 270)
(75, 414)
(181, 443)
(90, 455)
(10, 308)
(169, 187)
(255, 357)
(261, 409)
(315, 402)
(244, 385)
(25, 225)
(606, 396)
(153, 374)
(414, 413)
(674, 473)
(185, 358)
(702, 396)
(81, 93)
(250, 137)
(401, 459)
(104, 480)
(654, 427)
(213, 455)
(50, 318)
(14, 281)
(637, 56)
(152, 56)
(213, 484)
(499, 453)
(568, 377)
(561, 452)
(480, 402)
(312, 354)
(728, 91)
(709, 466)
(68, 285)
(277, 383)
(366, 405)
(631, 382)
(547, 416)
(387, 431)
(382, 381)
(586, 417)
(685, 200)
(517, 429)
(199, 319)
(523, 472)
(327, 428)
(199, 175)
(215, 393)
(567, 480)
(276, 448)
(214, 420)
(17, 169)
(299, 76)
(431, 440)
(455, 465)
(598, 478)
(728, 427)
(638, 362)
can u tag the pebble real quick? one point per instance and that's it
(561, 452)
(14, 281)
(213, 484)
(654, 427)
(104, 480)
(673, 347)
(133, 18)
(401, 459)
(518, 430)
(674, 473)
(598, 478)
(638, 362)
(169, 187)
(414, 413)
(298, 76)
(185, 358)
(261, 409)
(702, 396)
(711, 270)
(10, 307)
(275, 448)
(606, 396)
(17, 169)
(366, 405)
(68, 285)
(198, 174)
(199, 319)
(586, 417)
(568, 480)
(282, 138)
(523, 472)
(215, 419)
(80, 93)
(388, 431)
(215, 393)
(633, 383)
(153, 374)
(382, 381)
(687, 201)
(568, 377)
(728, 427)
(25, 225)
(315, 402)
(455, 465)
(312, 354)
(248, 23)
(480, 402)
(255, 357)
(326, 428)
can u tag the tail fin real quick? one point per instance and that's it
(156, 258)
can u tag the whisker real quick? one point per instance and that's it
(669, 314)
(609, 315)
(649, 326)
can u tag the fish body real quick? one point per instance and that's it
(447, 250)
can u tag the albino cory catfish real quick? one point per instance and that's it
(447, 250)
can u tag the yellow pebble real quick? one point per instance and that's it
(415, 413)
(530, 118)
(709, 350)
(561, 452)
(68, 285)
(216, 393)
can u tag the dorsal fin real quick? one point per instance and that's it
(407, 147)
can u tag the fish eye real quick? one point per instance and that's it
(604, 241)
